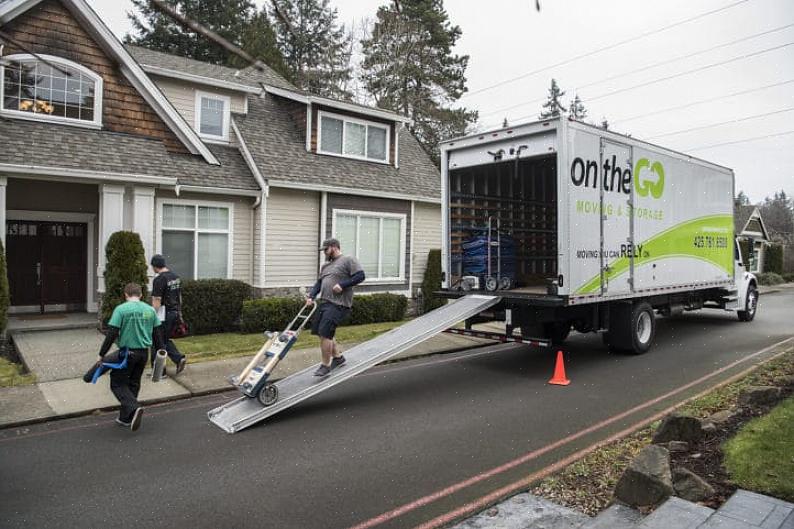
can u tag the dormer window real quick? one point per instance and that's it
(212, 116)
(353, 138)
(57, 90)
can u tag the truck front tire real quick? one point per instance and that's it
(750, 303)
(632, 327)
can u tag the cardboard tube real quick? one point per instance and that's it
(159, 365)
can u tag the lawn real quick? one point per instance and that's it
(761, 456)
(229, 345)
(11, 374)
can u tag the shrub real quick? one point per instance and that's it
(789, 277)
(432, 282)
(270, 314)
(770, 279)
(213, 305)
(126, 263)
(773, 260)
(4, 292)
(377, 308)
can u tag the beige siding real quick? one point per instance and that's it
(292, 238)
(427, 236)
(257, 247)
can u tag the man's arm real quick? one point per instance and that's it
(315, 289)
(354, 280)
(158, 289)
(110, 337)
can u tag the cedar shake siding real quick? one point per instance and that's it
(49, 28)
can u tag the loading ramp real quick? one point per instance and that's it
(245, 411)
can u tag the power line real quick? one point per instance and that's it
(651, 66)
(604, 48)
(747, 118)
(702, 101)
(680, 74)
(746, 140)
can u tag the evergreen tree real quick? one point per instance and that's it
(604, 124)
(553, 106)
(259, 40)
(577, 110)
(742, 199)
(409, 67)
(315, 47)
(778, 215)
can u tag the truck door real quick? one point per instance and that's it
(617, 221)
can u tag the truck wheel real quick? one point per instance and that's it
(632, 328)
(751, 304)
(268, 395)
(557, 331)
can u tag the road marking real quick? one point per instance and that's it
(470, 507)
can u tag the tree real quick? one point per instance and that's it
(126, 263)
(156, 31)
(553, 106)
(604, 123)
(778, 215)
(259, 40)
(742, 199)
(409, 67)
(577, 110)
(315, 47)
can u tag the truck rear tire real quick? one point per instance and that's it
(750, 303)
(632, 328)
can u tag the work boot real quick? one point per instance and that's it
(135, 423)
(322, 371)
(337, 361)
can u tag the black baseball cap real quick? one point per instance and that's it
(327, 243)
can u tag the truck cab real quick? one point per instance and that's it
(746, 287)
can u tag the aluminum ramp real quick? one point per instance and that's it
(245, 411)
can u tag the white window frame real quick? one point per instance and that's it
(346, 119)
(96, 123)
(196, 230)
(403, 218)
(227, 112)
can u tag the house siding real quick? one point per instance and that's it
(427, 236)
(293, 227)
(49, 28)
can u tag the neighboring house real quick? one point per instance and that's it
(749, 228)
(230, 174)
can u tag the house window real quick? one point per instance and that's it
(196, 239)
(212, 116)
(376, 239)
(57, 90)
(755, 260)
(353, 138)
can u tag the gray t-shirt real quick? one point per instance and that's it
(340, 269)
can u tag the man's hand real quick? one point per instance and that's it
(99, 359)
(309, 301)
(337, 289)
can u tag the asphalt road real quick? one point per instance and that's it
(422, 436)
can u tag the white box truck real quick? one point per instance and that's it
(579, 227)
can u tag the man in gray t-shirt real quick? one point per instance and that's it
(335, 285)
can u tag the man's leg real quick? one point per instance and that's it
(120, 386)
(171, 320)
(327, 347)
(136, 363)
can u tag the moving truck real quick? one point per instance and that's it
(581, 228)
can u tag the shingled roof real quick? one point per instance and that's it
(278, 147)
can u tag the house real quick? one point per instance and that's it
(750, 229)
(229, 173)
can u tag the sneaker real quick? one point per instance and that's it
(122, 423)
(322, 371)
(338, 361)
(136, 419)
(181, 365)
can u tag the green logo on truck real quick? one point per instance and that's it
(644, 186)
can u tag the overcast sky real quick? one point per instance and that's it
(509, 39)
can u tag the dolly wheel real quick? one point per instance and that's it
(268, 395)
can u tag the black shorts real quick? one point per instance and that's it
(327, 318)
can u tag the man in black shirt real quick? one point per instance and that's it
(167, 300)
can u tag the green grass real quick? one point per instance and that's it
(229, 345)
(761, 456)
(11, 374)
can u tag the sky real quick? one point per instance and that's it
(713, 78)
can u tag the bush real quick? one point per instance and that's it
(377, 308)
(773, 261)
(789, 277)
(269, 314)
(432, 282)
(213, 305)
(770, 279)
(4, 292)
(126, 263)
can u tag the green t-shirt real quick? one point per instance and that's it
(136, 320)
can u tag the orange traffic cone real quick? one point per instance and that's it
(559, 372)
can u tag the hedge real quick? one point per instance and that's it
(126, 263)
(788, 277)
(432, 282)
(274, 313)
(773, 260)
(4, 292)
(770, 279)
(213, 305)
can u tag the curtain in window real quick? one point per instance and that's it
(213, 218)
(178, 252)
(368, 250)
(331, 135)
(391, 254)
(175, 216)
(211, 120)
(212, 255)
(355, 138)
(346, 233)
(376, 143)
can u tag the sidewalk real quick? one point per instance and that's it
(59, 358)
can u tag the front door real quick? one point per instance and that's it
(46, 264)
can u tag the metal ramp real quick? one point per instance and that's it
(243, 412)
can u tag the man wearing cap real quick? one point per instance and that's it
(167, 301)
(338, 276)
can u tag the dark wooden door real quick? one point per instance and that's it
(47, 263)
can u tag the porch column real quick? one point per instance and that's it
(3, 184)
(111, 220)
(143, 218)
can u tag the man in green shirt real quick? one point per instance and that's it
(132, 324)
